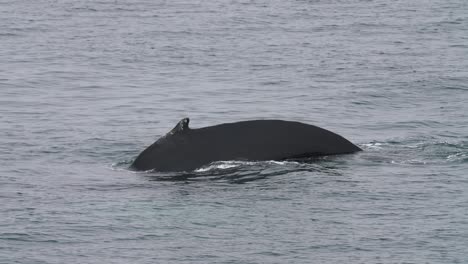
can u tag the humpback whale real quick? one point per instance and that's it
(186, 149)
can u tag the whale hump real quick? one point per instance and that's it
(181, 126)
(186, 149)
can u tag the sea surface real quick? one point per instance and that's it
(86, 85)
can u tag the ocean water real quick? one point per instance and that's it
(86, 85)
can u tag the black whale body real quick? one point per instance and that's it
(185, 149)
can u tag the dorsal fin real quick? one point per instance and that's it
(181, 126)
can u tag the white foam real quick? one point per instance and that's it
(457, 157)
(374, 145)
(218, 166)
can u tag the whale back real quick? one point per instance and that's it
(184, 149)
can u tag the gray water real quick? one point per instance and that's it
(86, 85)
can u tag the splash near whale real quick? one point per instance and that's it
(186, 149)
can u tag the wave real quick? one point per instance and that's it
(418, 151)
(240, 171)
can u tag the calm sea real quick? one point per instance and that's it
(86, 85)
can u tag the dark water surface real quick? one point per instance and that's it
(86, 85)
